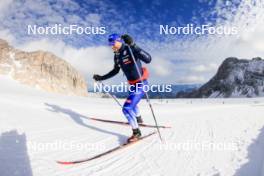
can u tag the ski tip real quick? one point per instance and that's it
(65, 162)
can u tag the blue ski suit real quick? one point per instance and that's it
(123, 60)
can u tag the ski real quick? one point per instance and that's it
(122, 146)
(126, 123)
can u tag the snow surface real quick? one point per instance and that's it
(209, 137)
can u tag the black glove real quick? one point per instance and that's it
(97, 77)
(128, 39)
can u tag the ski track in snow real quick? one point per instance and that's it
(29, 115)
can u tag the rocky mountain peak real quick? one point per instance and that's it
(41, 69)
(234, 78)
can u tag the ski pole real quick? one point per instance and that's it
(114, 97)
(146, 93)
(116, 100)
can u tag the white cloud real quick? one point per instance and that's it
(194, 55)
(173, 60)
(93, 18)
(192, 79)
(255, 38)
(4, 5)
(161, 67)
(6, 35)
(204, 68)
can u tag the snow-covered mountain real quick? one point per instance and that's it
(41, 69)
(234, 78)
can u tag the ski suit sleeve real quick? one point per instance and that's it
(113, 72)
(141, 54)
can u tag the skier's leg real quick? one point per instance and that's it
(138, 115)
(130, 108)
(129, 113)
(136, 111)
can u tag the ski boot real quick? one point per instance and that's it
(139, 119)
(135, 136)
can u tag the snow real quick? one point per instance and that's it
(208, 136)
(256, 66)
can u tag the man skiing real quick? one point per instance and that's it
(123, 59)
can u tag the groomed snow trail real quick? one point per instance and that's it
(209, 137)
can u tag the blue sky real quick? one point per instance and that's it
(176, 58)
(139, 18)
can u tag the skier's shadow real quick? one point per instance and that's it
(78, 119)
(14, 156)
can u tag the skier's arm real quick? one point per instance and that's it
(141, 54)
(113, 72)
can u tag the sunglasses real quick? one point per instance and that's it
(112, 41)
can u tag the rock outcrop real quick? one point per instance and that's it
(234, 78)
(41, 69)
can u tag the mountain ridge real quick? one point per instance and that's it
(234, 78)
(42, 70)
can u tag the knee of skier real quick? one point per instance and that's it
(126, 108)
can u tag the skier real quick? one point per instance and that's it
(123, 59)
